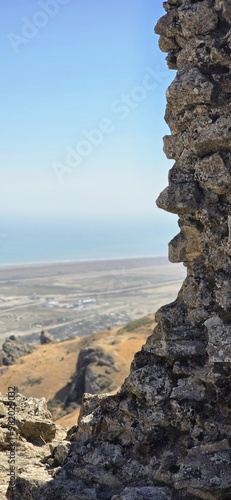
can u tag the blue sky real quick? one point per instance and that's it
(71, 70)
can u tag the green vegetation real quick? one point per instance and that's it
(134, 325)
(34, 381)
(105, 382)
(53, 404)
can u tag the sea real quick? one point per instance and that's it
(30, 240)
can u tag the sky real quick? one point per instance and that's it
(82, 116)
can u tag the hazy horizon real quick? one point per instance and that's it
(39, 240)
(83, 87)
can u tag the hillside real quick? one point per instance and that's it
(47, 371)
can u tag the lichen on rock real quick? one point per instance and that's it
(166, 434)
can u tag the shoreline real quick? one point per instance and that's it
(38, 270)
(81, 261)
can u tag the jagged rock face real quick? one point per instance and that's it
(87, 378)
(167, 433)
(13, 349)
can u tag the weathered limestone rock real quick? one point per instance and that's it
(32, 444)
(167, 433)
(197, 18)
(189, 88)
(218, 340)
(13, 349)
(87, 378)
(213, 175)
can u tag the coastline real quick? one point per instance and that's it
(32, 270)
(69, 261)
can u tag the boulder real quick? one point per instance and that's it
(26, 437)
(46, 337)
(12, 349)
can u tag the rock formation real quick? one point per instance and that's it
(166, 435)
(89, 376)
(46, 337)
(13, 349)
(27, 437)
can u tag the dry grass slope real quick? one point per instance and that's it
(47, 371)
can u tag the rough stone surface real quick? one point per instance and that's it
(167, 433)
(12, 349)
(88, 379)
(148, 493)
(32, 444)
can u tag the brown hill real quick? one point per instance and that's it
(48, 370)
